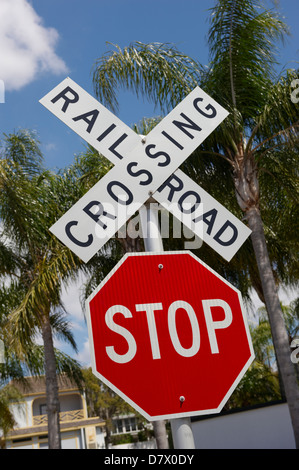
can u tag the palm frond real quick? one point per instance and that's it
(158, 71)
(61, 328)
(9, 262)
(21, 150)
(243, 39)
(277, 122)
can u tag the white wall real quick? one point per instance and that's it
(22, 413)
(70, 402)
(262, 428)
(151, 444)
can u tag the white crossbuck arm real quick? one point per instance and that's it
(143, 167)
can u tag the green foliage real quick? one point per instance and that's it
(242, 39)
(251, 159)
(145, 434)
(8, 394)
(20, 152)
(261, 382)
(259, 385)
(32, 261)
(158, 71)
(122, 439)
(101, 400)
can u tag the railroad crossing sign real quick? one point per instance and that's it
(144, 167)
(171, 345)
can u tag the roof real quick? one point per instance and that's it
(37, 384)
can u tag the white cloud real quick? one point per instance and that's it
(50, 146)
(71, 298)
(27, 47)
(83, 355)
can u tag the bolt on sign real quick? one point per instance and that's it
(144, 167)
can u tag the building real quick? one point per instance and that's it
(78, 431)
(263, 426)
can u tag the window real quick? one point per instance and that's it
(22, 440)
(43, 409)
(130, 424)
(22, 443)
(125, 425)
(118, 426)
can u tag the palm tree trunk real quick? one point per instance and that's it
(278, 328)
(54, 440)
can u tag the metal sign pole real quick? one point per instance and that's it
(181, 427)
(182, 433)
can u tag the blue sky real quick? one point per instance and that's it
(83, 31)
(76, 34)
(44, 41)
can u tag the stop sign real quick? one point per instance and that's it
(168, 334)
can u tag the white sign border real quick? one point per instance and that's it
(119, 392)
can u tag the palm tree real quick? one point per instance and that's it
(89, 168)
(263, 340)
(37, 264)
(7, 421)
(256, 145)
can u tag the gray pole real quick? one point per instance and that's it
(150, 226)
(181, 427)
(182, 434)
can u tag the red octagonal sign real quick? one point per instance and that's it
(168, 334)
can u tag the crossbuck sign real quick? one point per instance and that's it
(144, 166)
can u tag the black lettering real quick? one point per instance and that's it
(173, 188)
(195, 205)
(75, 240)
(116, 144)
(106, 132)
(67, 100)
(209, 218)
(140, 172)
(158, 154)
(115, 197)
(183, 125)
(100, 212)
(94, 113)
(172, 140)
(209, 107)
(222, 230)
